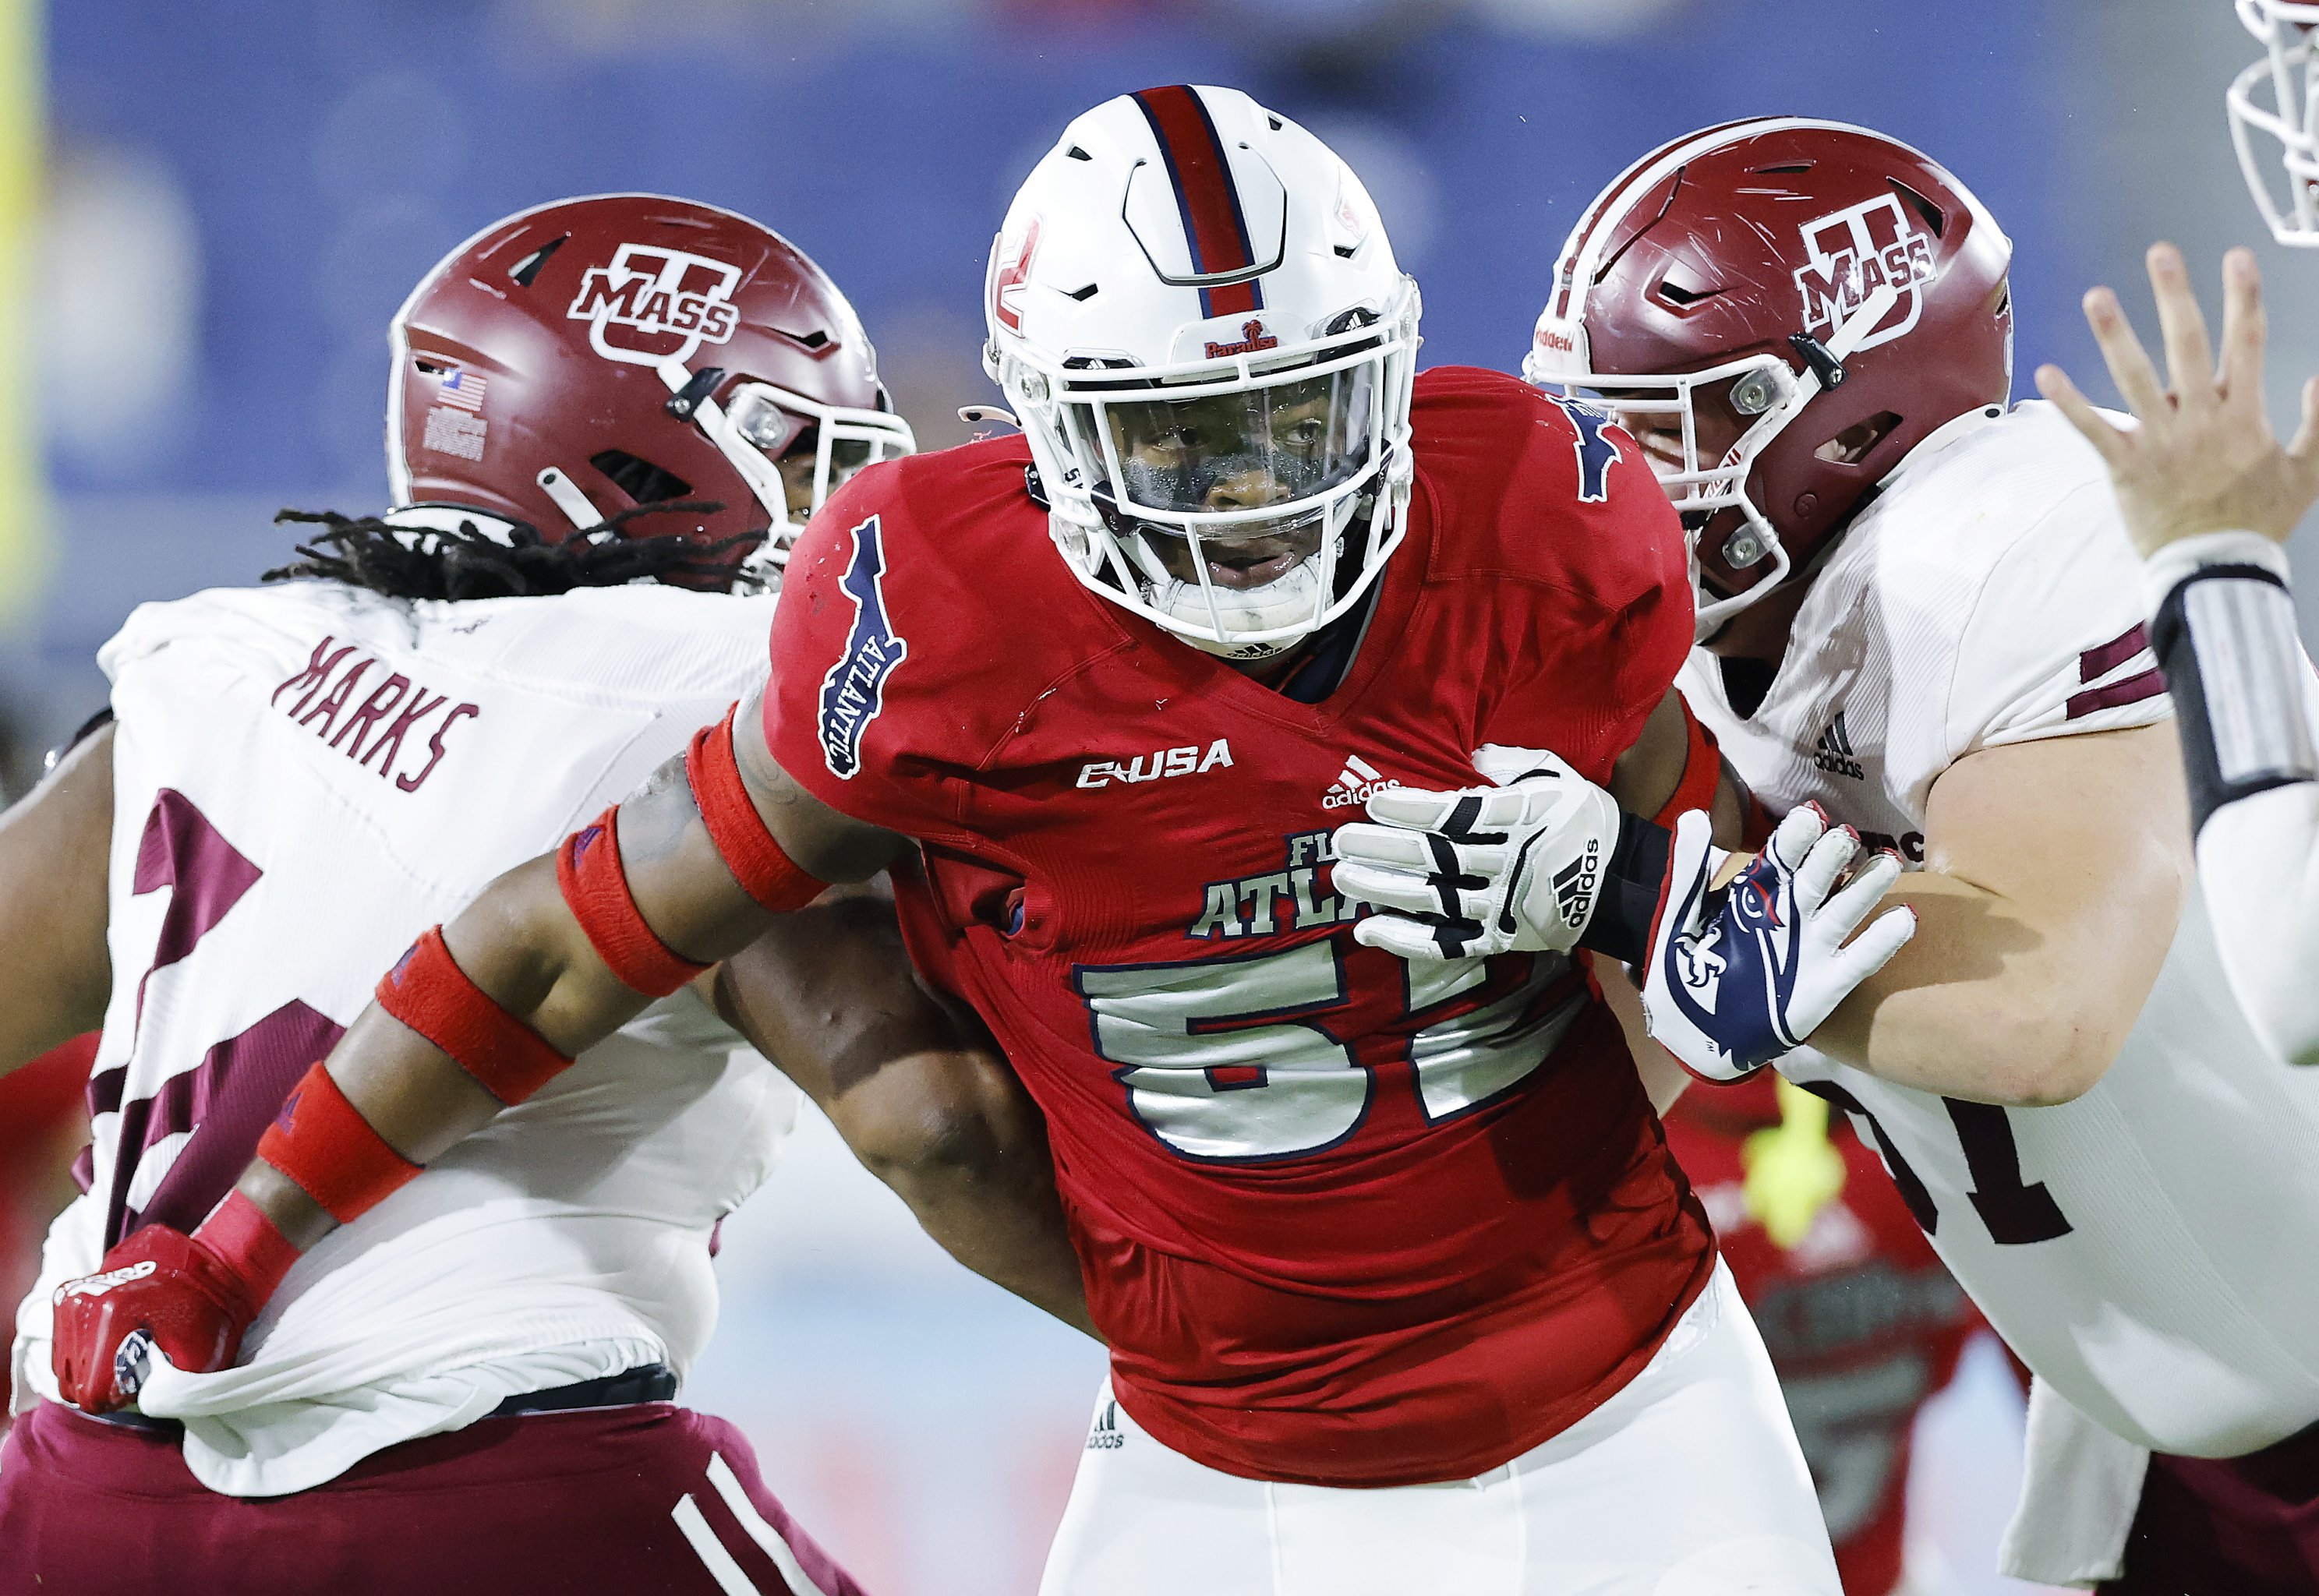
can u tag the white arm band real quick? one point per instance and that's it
(2224, 634)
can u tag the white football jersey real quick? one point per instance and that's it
(2144, 1248)
(306, 776)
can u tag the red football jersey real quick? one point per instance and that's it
(1863, 1322)
(1344, 1220)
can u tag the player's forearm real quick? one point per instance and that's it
(990, 1203)
(1988, 1002)
(2223, 628)
(2055, 872)
(517, 984)
(516, 942)
(916, 1090)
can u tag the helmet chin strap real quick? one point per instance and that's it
(567, 496)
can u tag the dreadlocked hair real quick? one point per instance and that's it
(423, 562)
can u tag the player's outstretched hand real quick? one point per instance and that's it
(2204, 458)
(1737, 976)
(1482, 870)
(159, 1290)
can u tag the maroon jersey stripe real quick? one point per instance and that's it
(2097, 663)
(2140, 685)
(1205, 196)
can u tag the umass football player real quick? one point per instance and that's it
(1354, 1228)
(1924, 615)
(471, 1387)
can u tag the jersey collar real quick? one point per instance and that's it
(1948, 432)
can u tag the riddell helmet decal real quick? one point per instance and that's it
(854, 690)
(650, 295)
(1855, 251)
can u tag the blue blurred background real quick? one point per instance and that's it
(234, 197)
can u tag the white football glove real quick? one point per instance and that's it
(1480, 870)
(1738, 977)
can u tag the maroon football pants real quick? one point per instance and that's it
(2227, 1526)
(649, 1498)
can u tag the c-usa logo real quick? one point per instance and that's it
(1855, 251)
(652, 304)
(854, 692)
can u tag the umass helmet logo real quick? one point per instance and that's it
(652, 305)
(1853, 252)
(854, 690)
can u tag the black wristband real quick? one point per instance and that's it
(1620, 926)
(2224, 638)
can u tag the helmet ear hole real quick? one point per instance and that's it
(640, 480)
(1856, 442)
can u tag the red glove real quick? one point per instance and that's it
(190, 1296)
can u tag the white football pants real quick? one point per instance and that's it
(1687, 1482)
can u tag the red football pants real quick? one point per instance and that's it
(650, 1498)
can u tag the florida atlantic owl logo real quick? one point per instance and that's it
(1855, 251)
(652, 304)
(854, 689)
(1597, 446)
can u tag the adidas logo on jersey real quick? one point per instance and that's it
(1105, 1436)
(1354, 785)
(1834, 752)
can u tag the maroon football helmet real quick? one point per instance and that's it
(593, 355)
(1779, 310)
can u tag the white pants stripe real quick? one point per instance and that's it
(723, 1568)
(768, 1539)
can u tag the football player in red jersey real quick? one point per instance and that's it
(1863, 1322)
(1354, 1227)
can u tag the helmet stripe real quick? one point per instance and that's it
(1207, 198)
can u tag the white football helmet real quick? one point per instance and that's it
(2278, 96)
(1196, 314)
